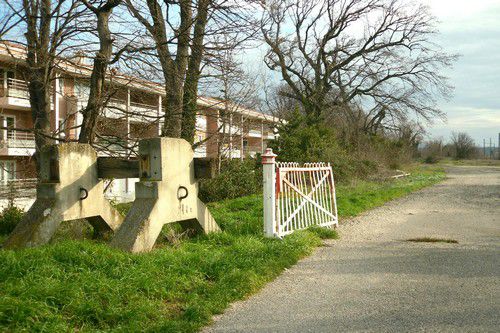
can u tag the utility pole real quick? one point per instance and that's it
(484, 148)
(499, 146)
(490, 150)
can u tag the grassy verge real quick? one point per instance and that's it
(474, 162)
(87, 286)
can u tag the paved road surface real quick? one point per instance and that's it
(374, 280)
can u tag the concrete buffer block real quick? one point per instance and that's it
(167, 192)
(68, 189)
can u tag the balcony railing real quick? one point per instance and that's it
(18, 139)
(16, 88)
(18, 188)
(117, 108)
(115, 147)
(252, 150)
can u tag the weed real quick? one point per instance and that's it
(432, 240)
(9, 218)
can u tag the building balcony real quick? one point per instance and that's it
(115, 108)
(138, 112)
(201, 151)
(226, 129)
(17, 143)
(18, 188)
(143, 112)
(14, 94)
(254, 133)
(252, 150)
(257, 133)
(116, 147)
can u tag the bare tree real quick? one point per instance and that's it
(46, 28)
(463, 145)
(375, 53)
(433, 150)
(96, 99)
(183, 34)
(236, 90)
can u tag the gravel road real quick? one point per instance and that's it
(373, 280)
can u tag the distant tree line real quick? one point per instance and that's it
(460, 146)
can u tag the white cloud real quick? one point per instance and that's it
(459, 9)
(471, 28)
(480, 123)
(468, 117)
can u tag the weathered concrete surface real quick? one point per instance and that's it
(66, 170)
(167, 192)
(373, 280)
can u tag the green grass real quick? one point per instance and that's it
(88, 286)
(473, 162)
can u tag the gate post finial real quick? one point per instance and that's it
(269, 157)
(269, 180)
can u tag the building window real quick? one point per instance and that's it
(82, 89)
(7, 171)
(10, 123)
(61, 85)
(62, 129)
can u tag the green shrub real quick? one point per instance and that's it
(303, 143)
(236, 179)
(9, 218)
(432, 159)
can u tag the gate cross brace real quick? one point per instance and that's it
(306, 198)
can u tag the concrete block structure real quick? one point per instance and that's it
(68, 189)
(167, 192)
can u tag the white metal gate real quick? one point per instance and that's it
(296, 197)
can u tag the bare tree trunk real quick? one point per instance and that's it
(173, 108)
(193, 74)
(96, 98)
(40, 64)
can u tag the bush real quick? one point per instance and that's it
(303, 143)
(463, 145)
(431, 159)
(236, 179)
(9, 218)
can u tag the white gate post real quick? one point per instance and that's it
(269, 175)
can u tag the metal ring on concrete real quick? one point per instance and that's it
(85, 193)
(184, 196)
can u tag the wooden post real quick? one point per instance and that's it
(269, 175)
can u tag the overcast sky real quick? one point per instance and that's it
(472, 29)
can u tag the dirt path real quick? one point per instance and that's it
(374, 280)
